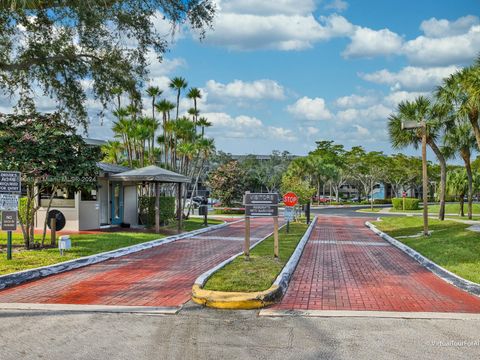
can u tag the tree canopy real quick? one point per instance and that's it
(58, 48)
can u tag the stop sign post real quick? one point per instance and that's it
(290, 199)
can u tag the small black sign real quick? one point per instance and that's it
(261, 199)
(261, 210)
(10, 182)
(9, 220)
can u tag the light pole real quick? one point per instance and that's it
(422, 125)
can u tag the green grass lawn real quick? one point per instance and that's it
(376, 210)
(82, 245)
(261, 271)
(449, 209)
(450, 245)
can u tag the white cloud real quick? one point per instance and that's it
(238, 89)
(369, 43)
(355, 101)
(362, 131)
(375, 112)
(245, 127)
(394, 98)
(338, 5)
(412, 78)
(310, 109)
(434, 28)
(453, 49)
(285, 7)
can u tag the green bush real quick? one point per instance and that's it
(377, 201)
(410, 203)
(147, 209)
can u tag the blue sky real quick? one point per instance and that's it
(282, 74)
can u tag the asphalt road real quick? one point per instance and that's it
(198, 333)
(348, 211)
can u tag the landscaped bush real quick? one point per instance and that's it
(229, 211)
(410, 203)
(147, 209)
(377, 201)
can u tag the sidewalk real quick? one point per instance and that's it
(345, 266)
(162, 276)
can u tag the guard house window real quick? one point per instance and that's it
(63, 197)
(89, 195)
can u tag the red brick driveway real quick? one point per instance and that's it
(345, 266)
(161, 276)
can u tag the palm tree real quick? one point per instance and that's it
(165, 106)
(457, 185)
(122, 129)
(194, 113)
(112, 152)
(460, 139)
(421, 109)
(194, 94)
(178, 84)
(461, 93)
(154, 92)
(203, 122)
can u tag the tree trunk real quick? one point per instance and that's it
(473, 117)
(45, 223)
(443, 177)
(462, 203)
(466, 158)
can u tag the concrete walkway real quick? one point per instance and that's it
(162, 276)
(345, 266)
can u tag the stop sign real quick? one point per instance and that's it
(290, 199)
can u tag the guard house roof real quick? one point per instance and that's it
(112, 168)
(151, 174)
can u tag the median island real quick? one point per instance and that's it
(260, 272)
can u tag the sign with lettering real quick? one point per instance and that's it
(9, 202)
(9, 220)
(289, 213)
(259, 210)
(10, 182)
(261, 199)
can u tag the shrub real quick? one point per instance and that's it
(410, 203)
(147, 209)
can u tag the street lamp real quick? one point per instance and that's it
(422, 125)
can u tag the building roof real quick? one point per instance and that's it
(153, 174)
(112, 168)
(94, 142)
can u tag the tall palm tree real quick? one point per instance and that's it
(461, 140)
(194, 113)
(461, 93)
(178, 84)
(154, 92)
(203, 122)
(164, 106)
(194, 94)
(421, 109)
(457, 185)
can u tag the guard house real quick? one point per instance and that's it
(113, 203)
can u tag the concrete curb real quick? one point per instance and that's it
(369, 314)
(451, 278)
(32, 274)
(249, 300)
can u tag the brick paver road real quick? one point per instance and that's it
(345, 266)
(161, 276)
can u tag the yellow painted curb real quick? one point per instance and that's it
(234, 300)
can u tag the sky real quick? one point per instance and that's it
(281, 74)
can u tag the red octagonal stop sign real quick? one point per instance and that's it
(290, 199)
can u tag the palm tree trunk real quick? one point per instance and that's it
(468, 168)
(443, 177)
(473, 117)
(178, 102)
(462, 203)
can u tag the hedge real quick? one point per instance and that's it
(147, 209)
(410, 203)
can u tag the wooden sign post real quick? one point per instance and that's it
(261, 205)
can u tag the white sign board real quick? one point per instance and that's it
(8, 202)
(289, 213)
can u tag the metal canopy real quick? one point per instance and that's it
(151, 174)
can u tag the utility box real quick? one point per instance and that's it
(64, 243)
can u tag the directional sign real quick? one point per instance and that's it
(10, 182)
(261, 210)
(9, 220)
(261, 199)
(404, 194)
(8, 202)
